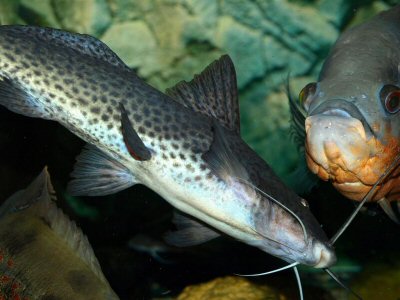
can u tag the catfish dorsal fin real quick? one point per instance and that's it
(37, 199)
(213, 92)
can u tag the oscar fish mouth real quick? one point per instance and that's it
(340, 148)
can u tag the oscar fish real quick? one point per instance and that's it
(185, 144)
(349, 118)
(44, 255)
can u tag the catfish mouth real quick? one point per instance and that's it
(341, 147)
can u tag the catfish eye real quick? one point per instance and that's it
(306, 93)
(390, 97)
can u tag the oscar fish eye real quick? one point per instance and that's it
(390, 98)
(306, 93)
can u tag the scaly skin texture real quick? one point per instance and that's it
(36, 263)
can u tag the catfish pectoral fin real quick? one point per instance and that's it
(97, 174)
(133, 142)
(16, 99)
(190, 232)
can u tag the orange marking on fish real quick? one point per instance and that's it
(5, 279)
(10, 263)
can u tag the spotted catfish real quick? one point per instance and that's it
(352, 125)
(44, 255)
(186, 145)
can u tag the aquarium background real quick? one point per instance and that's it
(167, 41)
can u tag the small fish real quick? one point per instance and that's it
(349, 119)
(44, 255)
(185, 145)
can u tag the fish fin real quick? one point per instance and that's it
(220, 158)
(133, 142)
(40, 188)
(387, 208)
(16, 99)
(82, 43)
(301, 180)
(96, 174)
(190, 232)
(213, 92)
(37, 199)
(297, 119)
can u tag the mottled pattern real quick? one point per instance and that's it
(82, 89)
(82, 92)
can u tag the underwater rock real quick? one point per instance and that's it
(38, 12)
(229, 288)
(9, 12)
(89, 16)
(122, 38)
(245, 47)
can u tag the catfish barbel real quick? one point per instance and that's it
(186, 145)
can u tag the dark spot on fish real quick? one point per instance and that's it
(68, 81)
(9, 56)
(151, 134)
(167, 136)
(197, 178)
(95, 110)
(16, 243)
(175, 146)
(187, 179)
(137, 117)
(186, 145)
(83, 101)
(36, 81)
(75, 90)
(176, 164)
(94, 98)
(103, 99)
(58, 87)
(105, 118)
(147, 123)
(146, 111)
(110, 126)
(79, 281)
(37, 72)
(164, 156)
(172, 155)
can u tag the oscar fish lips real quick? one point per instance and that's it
(337, 149)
